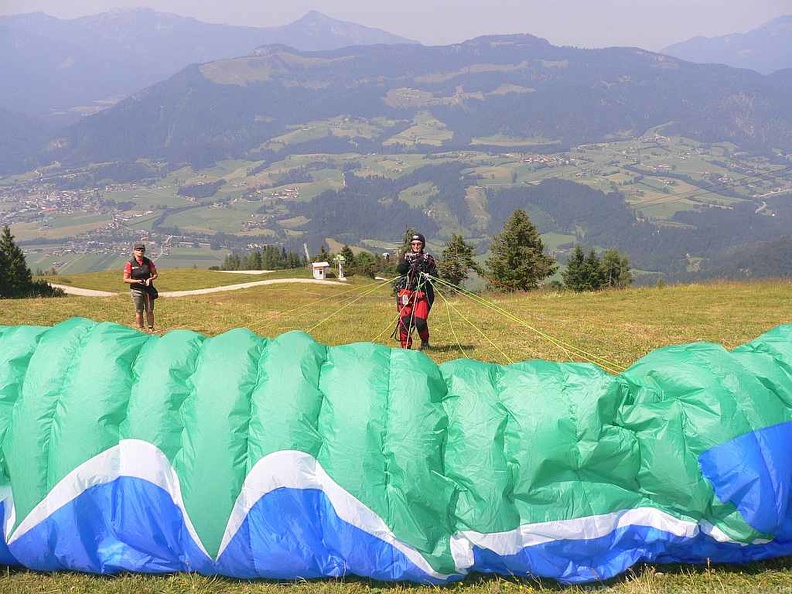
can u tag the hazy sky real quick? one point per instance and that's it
(651, 24)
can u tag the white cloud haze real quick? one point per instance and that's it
(651, 24)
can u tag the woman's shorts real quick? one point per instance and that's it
(142, 301)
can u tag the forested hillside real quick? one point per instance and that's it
(518, 87)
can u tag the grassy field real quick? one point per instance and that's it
(41, 257)
(178, 279)
(616, 328)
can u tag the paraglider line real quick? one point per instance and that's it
(477, 329)
(316, 301)
(591, 358)
(451, 326)
(327, 298)
(340, 309)
(389, 325)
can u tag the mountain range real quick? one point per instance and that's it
(53, 65)
(515, 86)
(765, 49)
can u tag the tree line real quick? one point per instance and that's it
(518, 261)
(269, 258)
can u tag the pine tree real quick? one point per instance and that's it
(5, 282)
(232, 261)
(457, 260)
(295, 260)
(616, 270)
(322, 256)
(255, 261)
(15, 276)
(365, 264)
(518, 261)
(405, 246)
(593, 272)
(574, 275)
(271, 258)
(349, 257)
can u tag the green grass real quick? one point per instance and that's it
(617, 326)
(60, 227)
(210, 218)
(178, 279)
(426, 130)
(151, 197)
(767, 578)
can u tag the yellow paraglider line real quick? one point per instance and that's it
(334, 296)
(356, 299)
(591, 358)
(477, 329)
(565, 347)
(451, 325)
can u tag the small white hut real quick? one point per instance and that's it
(320, 270)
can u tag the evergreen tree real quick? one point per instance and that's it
(271, 258)
(322, 256)
(232, 261)
(5, 281)
(574, 275)
(255, 261)
(457, 260)
(365, 264)
(295, 260)
(405, 246)
(15, 278)
(594, 276)
(518, 261)
(349, 257)
(616, 270)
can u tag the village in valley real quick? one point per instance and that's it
(66, 225)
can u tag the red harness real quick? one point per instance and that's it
(412, 304)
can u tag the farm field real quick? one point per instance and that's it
(658, 176)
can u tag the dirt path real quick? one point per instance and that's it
(92, 293)
(69, 290)
(274, 281)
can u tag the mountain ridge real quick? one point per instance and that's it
(766, 49)
(55, 65)
(514, 85)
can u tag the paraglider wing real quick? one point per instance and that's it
(284, 458)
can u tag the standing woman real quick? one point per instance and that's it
(139, 273)
(415, 292)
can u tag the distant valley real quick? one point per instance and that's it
(684, 167)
